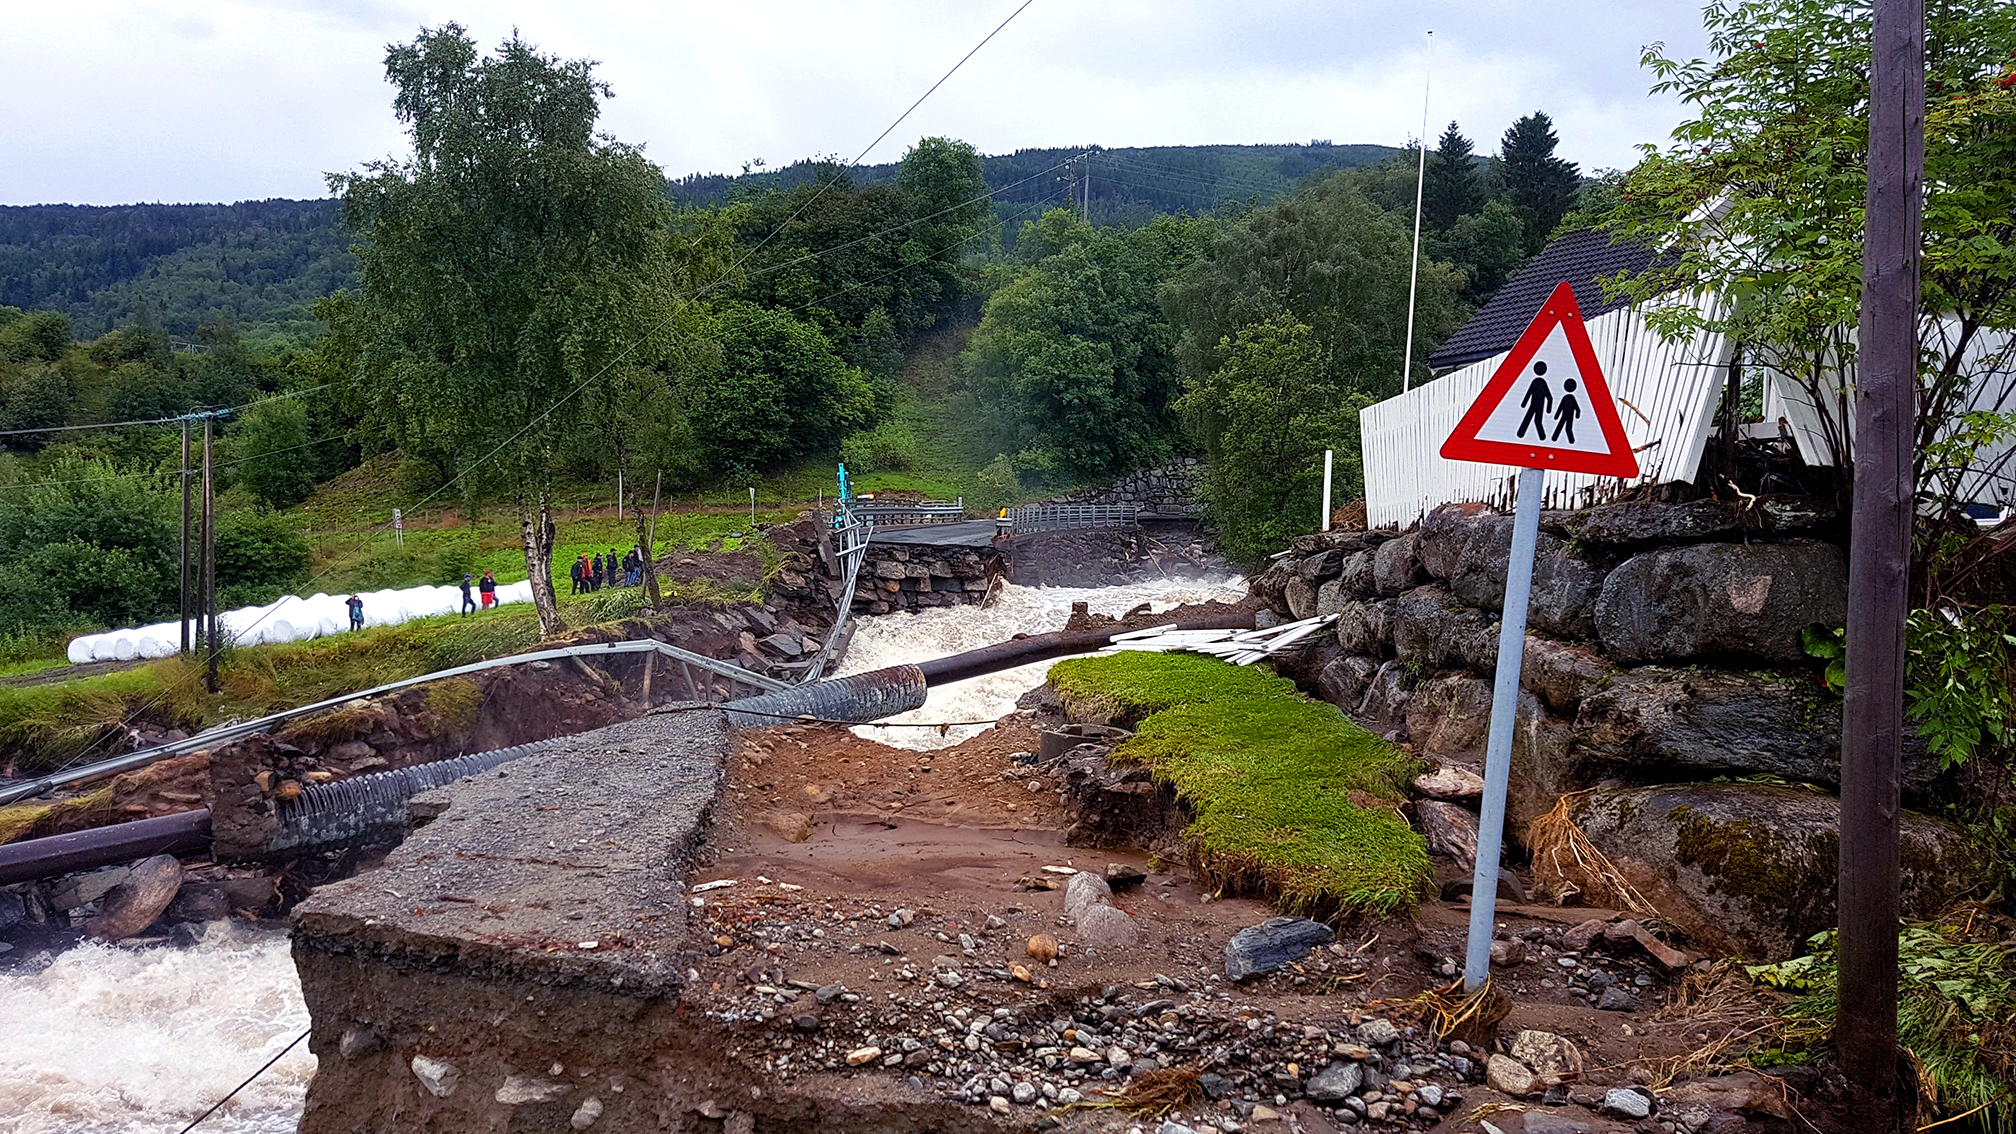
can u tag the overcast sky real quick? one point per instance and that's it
(110, 101)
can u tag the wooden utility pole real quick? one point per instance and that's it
(208, 616)
(183, 591)
(1879, 565)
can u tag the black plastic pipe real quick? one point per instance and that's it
(103, 846)
(1057, 644)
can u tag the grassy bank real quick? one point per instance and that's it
(1292, 800)
(43, 727)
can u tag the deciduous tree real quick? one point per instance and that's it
(513, 259)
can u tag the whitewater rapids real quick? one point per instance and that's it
(894, 639)
(105, 1039)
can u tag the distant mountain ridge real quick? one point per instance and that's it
(263, 264)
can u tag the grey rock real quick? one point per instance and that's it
(1106, 927)
(1396, 566)
(1450, 831)
(1445, 536)
(1541, 1122)
(1560, 673)
(1084, 890)
(1432, 630)
(1300, 597)
(13, 909)
(1615, 999)
(1709, 600)
(1751, 868)
(1508, 1076)
(1674, 723)
(1331, 597)
(1626, 1103)
(1386, 697)
(1335, 1083)
(521, 1089)
(358, 1041)
(1429, 1094)
(1451, 781)
(439, 1076)
(1363, 628)
(1356, 577)
(1172, 1127)
(1378, 1031)
(1636, 522)
(1024, 1093)
(828, 993)
(1449, 717)
(1552, 1059)
(1342, 680)
(1272, 944)
(586, 1114)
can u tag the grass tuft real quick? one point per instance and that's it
(1291, 799)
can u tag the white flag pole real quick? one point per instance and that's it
(1420, 178)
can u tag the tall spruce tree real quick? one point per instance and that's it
(1453, 190)
(1541, 187)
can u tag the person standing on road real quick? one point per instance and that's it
(489, 589)
(468, 601)
(356, 606)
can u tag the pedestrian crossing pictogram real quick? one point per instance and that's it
(1547, 406)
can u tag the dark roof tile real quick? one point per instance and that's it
(1581, 258)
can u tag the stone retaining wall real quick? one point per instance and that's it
(1174, 487)
(1663, 650)
(914, 576)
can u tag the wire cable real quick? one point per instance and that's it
(726, 274)
(248, 1082)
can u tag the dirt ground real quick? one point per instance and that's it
(860, 876)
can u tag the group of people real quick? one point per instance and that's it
(591, 574)
(486, 586)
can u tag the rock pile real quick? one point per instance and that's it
(916, 576)
(1172, 488)
(1648, 628)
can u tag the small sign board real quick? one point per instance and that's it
(1547, 406)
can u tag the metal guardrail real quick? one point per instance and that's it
(851, 534)
(908, 511)
(225, 734)
(1068, 517)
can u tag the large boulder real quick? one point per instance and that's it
(1751, 868)
(1659, 723)
(1469, 546)
(1396, 566)
(1364, 628)
(1449, 716)
(1431, 630)
(1639, 522)
(1342, 680)
(1561, 673)
(1721, 600)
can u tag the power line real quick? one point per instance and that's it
(625, 353)
(163, 420)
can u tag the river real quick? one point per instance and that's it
(105, 1039)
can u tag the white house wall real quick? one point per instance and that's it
(1667, 394)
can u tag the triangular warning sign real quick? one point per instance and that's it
(1548, 406)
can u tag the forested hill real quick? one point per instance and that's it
(258, 263)
(1129, 185)
(262, 264)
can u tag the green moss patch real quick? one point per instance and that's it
(1292, 800)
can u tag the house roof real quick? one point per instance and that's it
(1580, 258)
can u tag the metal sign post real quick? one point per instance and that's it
(1504, 713)
(1527, 416)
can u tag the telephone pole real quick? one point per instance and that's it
(183, 592)
(208, 615)
(1879, 566)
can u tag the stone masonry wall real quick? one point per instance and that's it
(1174, 487)
(1663, 651)
(916, 576)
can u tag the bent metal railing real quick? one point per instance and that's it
(225, 734)
(890, 512)
(851, 533)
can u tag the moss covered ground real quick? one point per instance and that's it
(1292, 800)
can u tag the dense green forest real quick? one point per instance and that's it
(949, 315)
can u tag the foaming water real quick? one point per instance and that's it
(100, 1039)
(893, 639)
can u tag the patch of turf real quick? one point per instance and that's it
(1292, 800)
(1132, 684)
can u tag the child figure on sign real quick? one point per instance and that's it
(1566, 413)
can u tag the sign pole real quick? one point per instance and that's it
(1504, 712)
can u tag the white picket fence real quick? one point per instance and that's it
(1667, 394)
